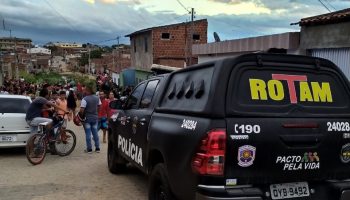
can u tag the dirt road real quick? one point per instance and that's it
(77, 176)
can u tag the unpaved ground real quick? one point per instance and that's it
(77, 176)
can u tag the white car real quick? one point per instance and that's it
(14, 130)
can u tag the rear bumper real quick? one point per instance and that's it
(204, 197)
(206, 192)
(334, 190)
(21, 140)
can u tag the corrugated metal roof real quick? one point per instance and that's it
(329, 18)
(289, 40)
(165, 26)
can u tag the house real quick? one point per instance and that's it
(116, 61)
(39, 50)
(328, 36)
(169, 45)
(132, 77)
(284, 43)
(65, 48)
(9, 44)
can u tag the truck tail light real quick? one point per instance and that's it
(209, 159)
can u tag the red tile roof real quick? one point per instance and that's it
(329, 18)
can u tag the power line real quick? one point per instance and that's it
(71, 26)
(178, 17)
(329, 3)
(324, 5)
(183, 6)
(240, 28)
(104, 41)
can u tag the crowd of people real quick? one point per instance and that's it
(71, 99)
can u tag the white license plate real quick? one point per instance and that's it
(289, 190)
(7, 138)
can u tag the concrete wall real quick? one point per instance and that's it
(141, 76)
(140, 58)
(325, 36)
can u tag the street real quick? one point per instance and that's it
(77, 176)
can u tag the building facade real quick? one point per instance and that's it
(328, 36)
(10, 44)
(168, 45)
(39, 50)
(284, 42)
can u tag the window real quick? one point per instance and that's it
(166, 36)
(196, 37)
(135, 97)
(12, 105)
(148, 95)
(146, 44)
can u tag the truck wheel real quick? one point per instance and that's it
(116, 164)
(159, 188)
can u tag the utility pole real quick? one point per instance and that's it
(113, 68)
(192, 14)
(118, 65)
(191, 35)
(16, 60)
(89, 59)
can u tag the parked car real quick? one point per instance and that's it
(252, 127)
(14, 130)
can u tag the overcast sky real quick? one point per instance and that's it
(95, 21)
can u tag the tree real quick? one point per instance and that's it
(96, 54)
(53, 49)
(84, 59)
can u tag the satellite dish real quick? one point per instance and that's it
(217, 38)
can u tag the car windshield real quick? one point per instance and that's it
(12, 105)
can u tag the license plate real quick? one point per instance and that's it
(289, 190)
(7, 138)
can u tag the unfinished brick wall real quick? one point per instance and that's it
(177, 49)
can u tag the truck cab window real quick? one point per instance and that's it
(135, 97)
(148, 94)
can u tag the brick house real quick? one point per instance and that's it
(167, 45)
(115, 61)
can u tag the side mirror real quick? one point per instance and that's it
(116, 104)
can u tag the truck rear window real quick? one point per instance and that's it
(278, 90)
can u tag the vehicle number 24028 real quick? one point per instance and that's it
(338, 126)
(247, 128)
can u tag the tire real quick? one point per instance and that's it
(36, 149)
(65, 145)
(116, 164)
(159, 188)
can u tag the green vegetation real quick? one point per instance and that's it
(53, 78)
(50, 78)
(84, 60)
(83, 79)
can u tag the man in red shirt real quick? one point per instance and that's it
(103, 115)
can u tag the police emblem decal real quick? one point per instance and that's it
(345, 153)
(246, 155)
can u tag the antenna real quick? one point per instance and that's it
(216, 37)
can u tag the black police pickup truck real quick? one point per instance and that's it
(253, 127)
